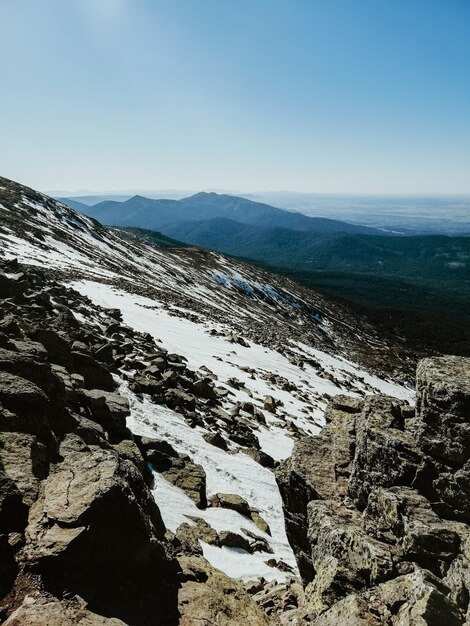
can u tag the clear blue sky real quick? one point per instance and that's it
(307, 95)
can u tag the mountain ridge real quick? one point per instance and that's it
(155, 214)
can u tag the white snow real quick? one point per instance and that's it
(233, 471)
(225, 473)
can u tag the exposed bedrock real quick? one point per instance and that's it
(377, 506)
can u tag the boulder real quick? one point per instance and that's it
(233, 540)
(260, 457)
(127, 449)
(443, 409)
(32, 348)
(270, 404)
(240, 505)
(89, 431)
(36, 371)
(385, 454)
(159, 453)
(216, 440)
(187, 536)
(384, 493)
(344, 557)
(204, 388)
(189, 477)
(58, 348)
(108, 409)
(21, 395)
(179, 399)
(418, 598)
(231, 501)
(94, 374)
(96, 531)
(442, 429)
(307, 475)
(259, 522)
(186, 540)
(402, 516)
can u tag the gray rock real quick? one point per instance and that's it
(108, 409)
(216, 440)
(58, 348)
(378, 490)
(96, 531)
(385, 454)
(442, 429)
(231, 501)
(189, 477)
(307, 475)
(443, 409)
(233, 540)
(402, 516)
(25, 461)
(344, 557)
(94, 374)
(20, 394)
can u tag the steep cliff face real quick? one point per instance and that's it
(376, 506)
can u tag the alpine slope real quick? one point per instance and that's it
(245, 364)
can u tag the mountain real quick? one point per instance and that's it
(78, 205)
(90, 200)
(428, 273)
(403, 256)
(187, 438)
(158, 214)
(420, 277)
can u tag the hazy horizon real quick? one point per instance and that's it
(356, 194)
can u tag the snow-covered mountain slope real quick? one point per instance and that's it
(276, 351)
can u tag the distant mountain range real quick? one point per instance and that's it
(368, 265)
(163, 214)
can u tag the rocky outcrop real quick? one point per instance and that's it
(376, 506)
(442, 430)
(96, 529)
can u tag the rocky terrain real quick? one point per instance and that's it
(188, 440)
(80, 531)
(377, 506)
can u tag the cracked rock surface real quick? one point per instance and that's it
(377, 506)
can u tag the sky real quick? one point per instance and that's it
(358, 96)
